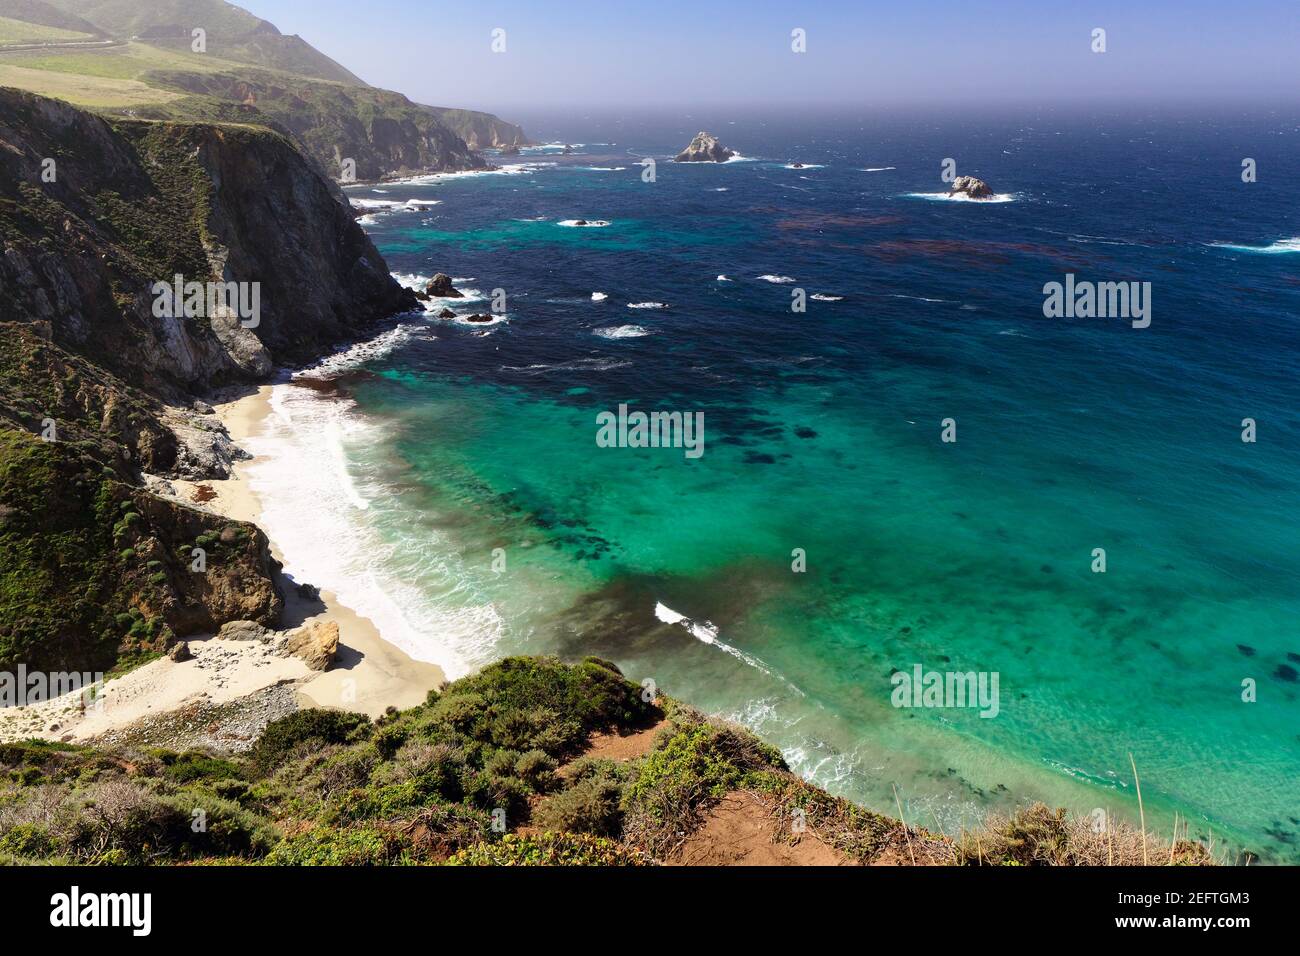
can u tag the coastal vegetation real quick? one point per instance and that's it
(140, 60)
(499, 768)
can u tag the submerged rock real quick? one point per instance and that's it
(704, 148)
(972, 187)
(478, 317)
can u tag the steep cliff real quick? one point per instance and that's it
(95, 384)
(93, 214)
(383, 132)
(481, 130)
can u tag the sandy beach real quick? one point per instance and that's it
(368, 674)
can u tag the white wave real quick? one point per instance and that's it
(779, 280)
(374, 203)
(583, 223)
(413, 280)
(647, 305)
(496, 318)
(354, 356)
(723, 279)
(827, 298)
(737, 158)
(511, 169)
(804, 166)
(601, 169)
(914, 298)
(707, 632)
(961, 197)
(379, 190)
(368, 220)
(598, 297)
(720, 189)
(1282, 246)
(319, 505)
(421, 203)
(878, 169)
(621, 332)
(577, 365)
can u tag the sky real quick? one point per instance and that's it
(620, 55)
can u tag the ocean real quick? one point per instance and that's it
(451, 485)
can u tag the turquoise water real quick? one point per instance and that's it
(474, 445)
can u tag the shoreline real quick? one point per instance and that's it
(228, 690)
(369, 674)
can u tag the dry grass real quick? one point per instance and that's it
(1039, 836)
(90, 91)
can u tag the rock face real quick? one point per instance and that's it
(440, 287)
(242, 631)
(315, 642)
(136, 204)
(382, 132)
(704, 148)
(970, 186)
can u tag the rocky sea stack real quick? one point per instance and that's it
(704, 148)
(972, 187)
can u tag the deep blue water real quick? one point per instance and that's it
(823, 433)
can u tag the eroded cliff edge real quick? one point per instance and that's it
(96, 389)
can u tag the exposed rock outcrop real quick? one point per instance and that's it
(243, 631)
(704, 148)
(440, 287)
(316, 642)
(970, 186)
(135, 204)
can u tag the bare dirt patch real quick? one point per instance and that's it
(740, 831)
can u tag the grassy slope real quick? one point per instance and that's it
(19, 31)
(41, 13)
(232, 33)
(293, 85)
(426, 785)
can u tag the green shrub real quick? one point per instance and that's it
(193, 765)
(536, 768)
(549, 849)
(311, 726)
(27, 840)
(328, 846)
(589, 805)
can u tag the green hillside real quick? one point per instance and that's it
(134, 57)
(232, 33)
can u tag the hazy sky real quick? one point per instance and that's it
(674, 53)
